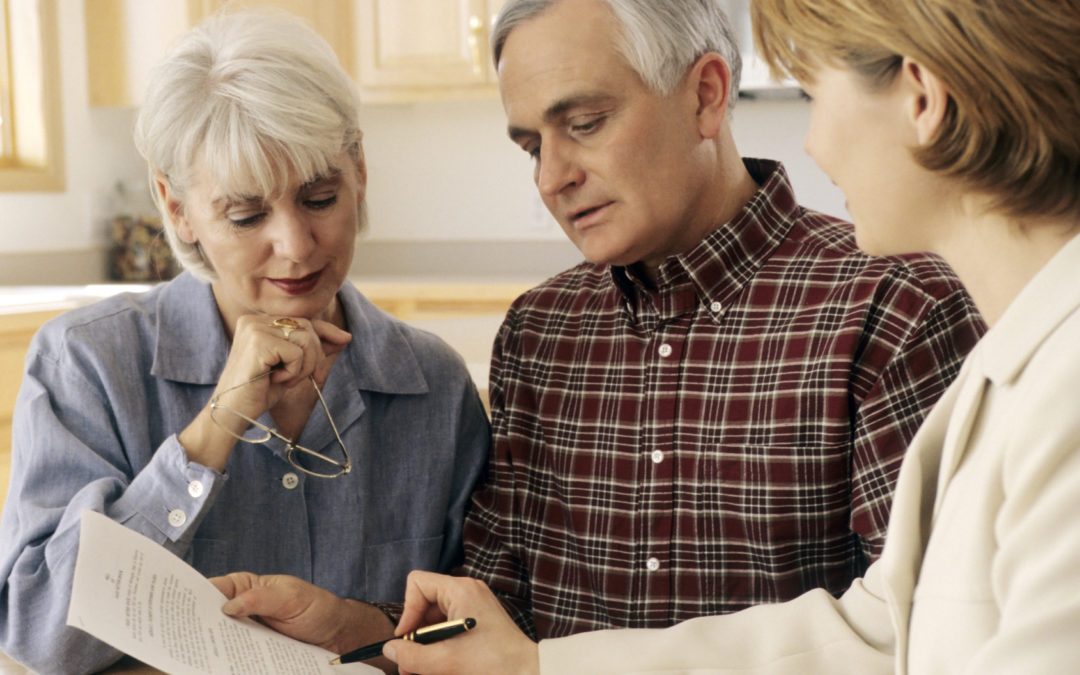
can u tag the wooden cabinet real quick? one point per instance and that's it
(415, 50)
(396, 50)
(125, 38)
(332, 19)
(16, 330)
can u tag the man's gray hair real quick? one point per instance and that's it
(256, 96)
(660, 39)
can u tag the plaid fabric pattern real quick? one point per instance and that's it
(728, 438)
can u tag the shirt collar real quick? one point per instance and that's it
(717, 269)
(1043, 304)
(381, 357)
(192, 345)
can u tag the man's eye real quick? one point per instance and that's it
(587, 125)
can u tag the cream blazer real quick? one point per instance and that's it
(981, 568)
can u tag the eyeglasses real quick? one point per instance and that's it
(325, 466)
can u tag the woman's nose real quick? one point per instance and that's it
(293, 237)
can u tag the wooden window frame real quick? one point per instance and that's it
(43, 172)
(7, 139)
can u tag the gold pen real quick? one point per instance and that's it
(425, 635)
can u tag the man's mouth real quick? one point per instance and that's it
(582, 217)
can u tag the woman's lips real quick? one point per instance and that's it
(298, 286)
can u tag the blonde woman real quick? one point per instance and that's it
(257, 412)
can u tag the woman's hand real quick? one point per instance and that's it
(496, 645)
(290, 349)
(303, 611)
(290, 354)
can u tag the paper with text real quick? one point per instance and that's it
(138, 597)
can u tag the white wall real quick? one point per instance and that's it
(448, 170)
(438, 171)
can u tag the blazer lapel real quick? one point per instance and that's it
(914, 503)
(964, 413)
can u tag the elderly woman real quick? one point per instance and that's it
(951, 126)
(257, 412)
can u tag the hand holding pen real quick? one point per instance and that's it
(495, 645)
(424, 636)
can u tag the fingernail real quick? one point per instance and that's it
(232, 607)
(390, 651)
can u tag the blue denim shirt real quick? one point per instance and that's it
(108, 387)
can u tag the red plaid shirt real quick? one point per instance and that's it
(729, 438)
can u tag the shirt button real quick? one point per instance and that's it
(290, 480)
(665, 350)
(177, 518)
(715, 307)
(657, 456)
(195, 489)
(652, 564)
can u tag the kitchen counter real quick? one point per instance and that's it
(29, 299)
(401, 296)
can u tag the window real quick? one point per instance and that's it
(30, 137)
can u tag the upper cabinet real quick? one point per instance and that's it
(415, 50)
(396, 50)
(333, 19)
(125, 38)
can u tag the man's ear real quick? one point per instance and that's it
(710, 78)
(174, 209)
(928, 99)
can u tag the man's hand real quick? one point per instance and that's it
(303, 611)
(496, 645)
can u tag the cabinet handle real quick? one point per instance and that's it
(476, 33)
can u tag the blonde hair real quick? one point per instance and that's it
(257, 96)
(1012, 70)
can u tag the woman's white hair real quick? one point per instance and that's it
(257, 96)
(660, 39)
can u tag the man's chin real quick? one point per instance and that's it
(606, 255)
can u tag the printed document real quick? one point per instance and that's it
(138, 597)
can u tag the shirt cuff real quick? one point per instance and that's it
(172, 493)
(392, 610)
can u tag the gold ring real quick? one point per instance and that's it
(287, 325)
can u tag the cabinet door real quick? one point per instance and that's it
(126, 37)
(427, 47)
(332, 19)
